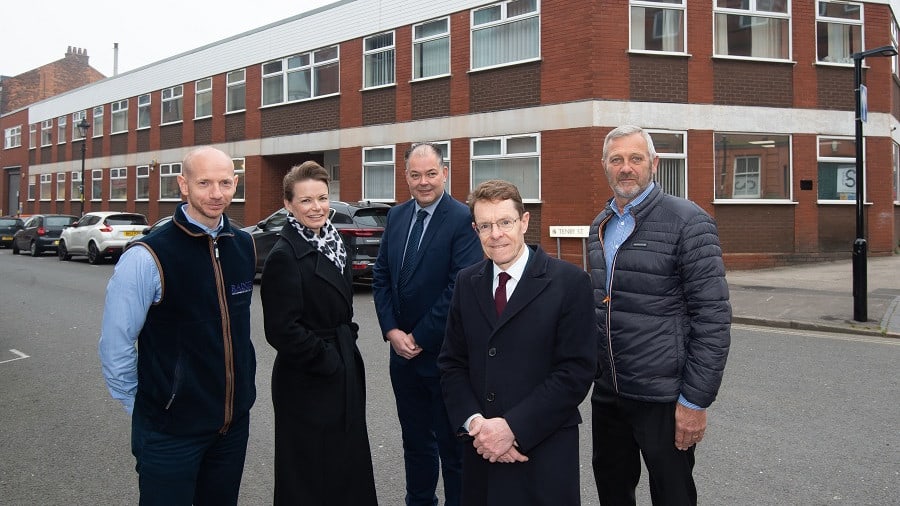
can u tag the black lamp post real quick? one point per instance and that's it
(83, 127)
(860, 310)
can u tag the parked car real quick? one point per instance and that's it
(360, 225)
(41, 233)
(9, 225)
(100, 235)
(162, 221)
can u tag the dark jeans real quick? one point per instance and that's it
(623, 430)
(428, 441)
(184, 470)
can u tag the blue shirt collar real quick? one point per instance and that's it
(637, 200)
(209, 231)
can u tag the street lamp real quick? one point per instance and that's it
(859, 245)
(83, 127)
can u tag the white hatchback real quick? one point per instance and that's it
(99, 235)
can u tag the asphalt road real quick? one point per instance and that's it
(802, 418)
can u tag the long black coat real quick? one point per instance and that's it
(322, 453)
(532, 365)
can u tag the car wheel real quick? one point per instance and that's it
(15, 248)
(94, 254)
(34, 249)
(63, 252)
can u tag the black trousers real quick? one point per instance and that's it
(624, 430)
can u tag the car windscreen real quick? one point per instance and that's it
(373, 217)
(126, 219)
(59, 221)
(4, 222)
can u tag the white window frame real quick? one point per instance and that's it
(203, 98)
(234, 81)
(46, 186)
(444, 146)
(240, 189)
(32, 185)
(118, 175)
(309, 64)
(681, 154)
(76, 119)
(32, 136)
(173, 99)
(528, 195)
(97, 124)
(144, 115)
(895, 37)
(390, 163)
(60, 186)
(385, 52)
(638, 11)
(423, 48)
(504, 20)
(746, 175)
(845, 61)
(847, 162)
(119, 121)
(12, 137)
(76, 186)
(142, 179)
(46, 133)
(169, 171)
(61, 128)
(721, 179)
(96, 184)
(749, 18)
(895, 163)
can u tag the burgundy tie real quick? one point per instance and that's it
(500, 293)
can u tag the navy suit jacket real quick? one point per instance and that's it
(448, 244)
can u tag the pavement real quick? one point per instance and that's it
(818, 297)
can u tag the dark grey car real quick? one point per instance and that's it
(9, 225)
(41, 233)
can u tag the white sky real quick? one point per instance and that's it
(39, 32)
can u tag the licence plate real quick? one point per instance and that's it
(131, 233)
(7, 238)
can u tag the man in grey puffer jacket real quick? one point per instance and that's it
(661, 302)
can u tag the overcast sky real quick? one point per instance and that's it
(39, 32)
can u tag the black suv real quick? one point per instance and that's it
(41, 233)
(360, 225)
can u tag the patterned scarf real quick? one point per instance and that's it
(327, 242)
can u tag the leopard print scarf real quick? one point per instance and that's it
(327, 241)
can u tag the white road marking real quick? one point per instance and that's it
(19, 356)
(836, 336)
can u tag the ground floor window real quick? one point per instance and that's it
(836, 169)
(671, 173)
(378, 174)
(752, 167)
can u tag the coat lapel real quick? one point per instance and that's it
(534, 281)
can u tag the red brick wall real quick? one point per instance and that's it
(837, 228)
(756, 228)
(658, 78)
(756, 83)
(505, 88)
(379, 106)
(299, 117)
(49, 80)
(834, 88)
(569, 53)
(430, 99)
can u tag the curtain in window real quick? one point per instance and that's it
(380, 68)
(433, 57)
(506, 43)
(839, 43)
(670, 176)
(379, 182)
(767, 38)
(522, 172)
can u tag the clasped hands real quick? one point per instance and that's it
(404, 344)
(494, 440)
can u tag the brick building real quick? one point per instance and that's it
(751, 105)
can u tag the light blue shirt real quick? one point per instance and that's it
(134, 286)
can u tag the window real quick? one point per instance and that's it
(378, 174)
(235, 90)
(76, 119)
(671, 173)
(119, 116)
(431, 49)
(657, 25)
(118, 183)
(46, 182)
(46, 132)
(239, 171)
(896, 165)
(895, 36)
(143, 182)
(32, 136)
(171, 104)
(378, 60)
(97, 184)
(143, 118)
(75, 194)
(203, 98)
(168, 181)
(515, 158)
(837, 168)
(61, 130)
(12, 137)
(301, 76)
(838, 31)
(444, 146)
(31, 187)
(97, 127)
(752, 28)
(60, 186)
(506, 32)
(752, 167)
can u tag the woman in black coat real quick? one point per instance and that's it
(322, 453)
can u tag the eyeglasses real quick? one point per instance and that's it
(505, 225)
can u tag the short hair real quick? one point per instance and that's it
(306, 170)
(422, 148)
(494, 190)
(625, 131)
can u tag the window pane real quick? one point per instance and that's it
(379, 155)
(432, 58)
(668, 142)
(657, 29)
(840, 10)
(298, 85)
(753, 36)
(506, 43)
(327, 79)
(235, 100)
(754, 166)
(431, 28)
(379, 41)
(379, 182)
(487, 15)
(670, 175)
(523, 172)
(379, 68)
(329, 53)
(273, 90)
(486, 147)
(837, 42)
(515, 145)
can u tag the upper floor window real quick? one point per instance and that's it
(61, 130)
(12, 137)
(203, 98)
(143, 182)
(895, 37)
(752, 28)
(46, 183)
(97, 127)
(168, 181)
(837, 169)
(838, 31)
(506, 32)
(60, 186)
(239, 171)
(118, 183)
(46, 132)
(97, 184)
(301, 76)
(143, 116)
(378, 173)
(671, 173)
(515, 158)
(752, 166)
(431, 48)
(171, 104)
(658, 25)
(32, 136)
(235, 90)
(119, 116)
(378, 60)
(76, 120)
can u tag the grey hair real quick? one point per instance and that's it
(625, 131)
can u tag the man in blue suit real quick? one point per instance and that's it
(426, 241)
